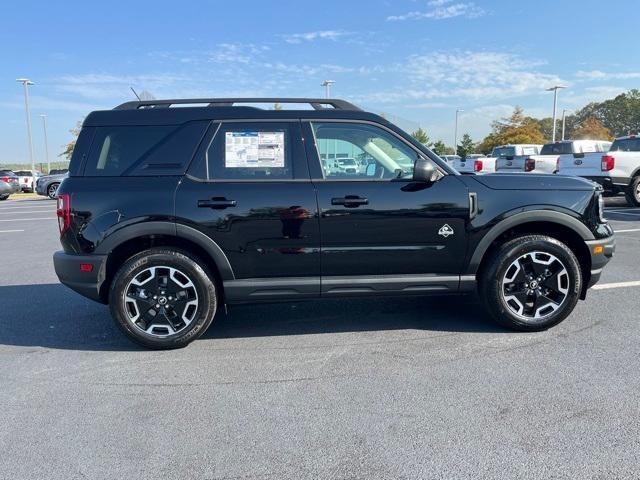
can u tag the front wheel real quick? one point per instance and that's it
(531, 283)
(162, 298)
(633, 192)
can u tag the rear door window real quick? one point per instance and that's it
(626, 145)
(557, 149)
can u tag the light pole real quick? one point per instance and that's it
(46, 144)
(564, 111)
(455, 135)
(26, 82)
(327, 87)
(555, 89)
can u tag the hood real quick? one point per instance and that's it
(527, 181)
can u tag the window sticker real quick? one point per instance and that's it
(254, 149)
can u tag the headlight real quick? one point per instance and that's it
(601, 208)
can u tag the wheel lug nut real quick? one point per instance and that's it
(157, 306)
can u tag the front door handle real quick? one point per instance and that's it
(217, 203)
(350, 201)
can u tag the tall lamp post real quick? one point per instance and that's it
(555, 89)
(327, 87)
(25, 83)
(564, 112)
(455, 135)
(46, 143)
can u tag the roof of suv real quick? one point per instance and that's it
(177, 111)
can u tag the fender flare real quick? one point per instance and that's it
(522, 218)
(170, 229)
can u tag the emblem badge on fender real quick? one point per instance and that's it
(445, 230)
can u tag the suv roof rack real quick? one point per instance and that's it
(316, 103)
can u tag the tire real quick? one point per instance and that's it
(633, 192)
(184, 291)
(531, 283)
(52, 190)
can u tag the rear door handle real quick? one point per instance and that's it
(350, 201)
(217, 203)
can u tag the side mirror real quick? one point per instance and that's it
(424, 171)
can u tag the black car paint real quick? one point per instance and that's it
(288, 240)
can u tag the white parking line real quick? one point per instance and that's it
(637, 214)
(21, 212)
(626, 231)
(606, 286)
(24, 219)
(10, 231)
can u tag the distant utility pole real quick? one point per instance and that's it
(564, 111)
(455, 135)
(26, 82)
(555, 89)
(327, 87)
(46, 142)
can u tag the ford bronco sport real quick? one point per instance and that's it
(169, 213)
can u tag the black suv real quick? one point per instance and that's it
(169, 213)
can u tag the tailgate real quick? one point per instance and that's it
(463, 165)
(510, 165)
(588, 166)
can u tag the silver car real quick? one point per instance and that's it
(48, 185)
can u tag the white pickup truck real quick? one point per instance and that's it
(617, 170)
(511, 158)
(472, 163)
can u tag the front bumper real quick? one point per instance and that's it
(88, 284)
(599, 260)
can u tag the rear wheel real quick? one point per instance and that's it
(531, 283)
(633, 192)
(163, 298)
(52, 190)
(4, 197)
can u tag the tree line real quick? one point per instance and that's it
(598, 121)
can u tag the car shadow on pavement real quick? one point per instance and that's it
(52, 316)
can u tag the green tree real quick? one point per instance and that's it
(421, 136)
(466, 146)
(619, 115)
(68, 148)
(513, 129)
(592, 129)
(439, 148)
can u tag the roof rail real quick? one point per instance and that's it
(316, 103)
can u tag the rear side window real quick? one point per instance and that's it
(251, 151)
(626, 145)
(143, 150)
(557, 149)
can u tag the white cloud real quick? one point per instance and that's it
(108, 86)
(318, 35)
(442, 9)
(600, 75)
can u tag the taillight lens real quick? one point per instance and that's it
(477, 166)
(529, 164)
(64, 212)
(5, 179)
(608, 163)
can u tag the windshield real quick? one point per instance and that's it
(557, 148)
(504, 152)
(626, 145)
(348, 161)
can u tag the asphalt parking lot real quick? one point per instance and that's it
(385, 388)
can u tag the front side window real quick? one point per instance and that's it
(250, 151)
(355, 151)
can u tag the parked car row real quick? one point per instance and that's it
(615, 166)
(9, 183)
(22, 181)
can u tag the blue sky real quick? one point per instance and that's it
(416, 59)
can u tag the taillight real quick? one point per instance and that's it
(5, 179)
(64, 212)
(477, 166)
(529, 164)
(608, 163)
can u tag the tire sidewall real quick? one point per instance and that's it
(54, 193)
(202, 281)
(514, 250)
(633, 195)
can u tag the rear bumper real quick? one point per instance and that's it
(88, 284)
(599, 260)
(610, 184)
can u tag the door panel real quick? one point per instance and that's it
(397, 231)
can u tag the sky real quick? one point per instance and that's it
(415, 60)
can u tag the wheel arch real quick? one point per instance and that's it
(128, 241)
(560, 226)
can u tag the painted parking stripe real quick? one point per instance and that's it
(25, 219)
(637, 214)
(627, 231)
(606, 286)
(21, 212)
(11, 231)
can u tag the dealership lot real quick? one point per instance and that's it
(385, 388)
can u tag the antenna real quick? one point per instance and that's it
(134, 92)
